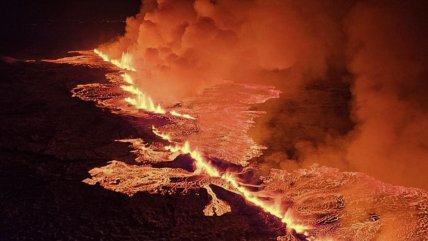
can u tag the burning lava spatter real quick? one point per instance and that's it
(202, 165)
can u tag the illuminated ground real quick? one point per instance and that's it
(52, 142)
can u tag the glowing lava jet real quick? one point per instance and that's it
(140, 100)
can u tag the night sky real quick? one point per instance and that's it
(38, 29)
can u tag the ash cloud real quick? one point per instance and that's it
(353, 74)
(385, 134)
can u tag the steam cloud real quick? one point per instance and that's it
(374, 52)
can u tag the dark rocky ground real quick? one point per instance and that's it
(50, 140)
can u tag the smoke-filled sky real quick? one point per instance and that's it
(353, 74)
(367, 59)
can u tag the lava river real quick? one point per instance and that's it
(202, 142)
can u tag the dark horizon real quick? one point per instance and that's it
(46, 29)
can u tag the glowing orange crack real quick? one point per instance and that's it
(203, 166)
(187, 116)
(161, 135)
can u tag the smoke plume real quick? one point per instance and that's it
(388, 51)
(353, 74)
(182, 46)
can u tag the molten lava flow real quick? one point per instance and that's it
(187, 116)
(128, 79)
(205, 167)
(141, 100)
(161, 135)
(202, 165)
(125, 62)
(216, 206)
